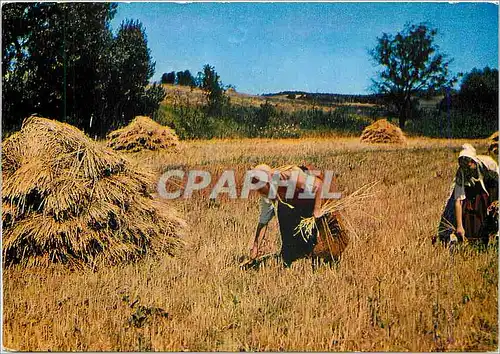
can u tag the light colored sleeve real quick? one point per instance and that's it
(459, 185)
(266, 211)
(459, 192)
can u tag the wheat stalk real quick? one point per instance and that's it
(307, 225)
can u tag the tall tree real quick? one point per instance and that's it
(61, 60)
(52, 59)
(132, 67)
(411, 64)
(214, 91)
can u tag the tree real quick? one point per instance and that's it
(264, 115)
(61, 60)
(411, 64)
(153, 94)
(168, 78)
(54, 60)
(479, 92)
(214, 91)
(131, 70)
(184, 78)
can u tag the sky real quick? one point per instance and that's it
(314, 47)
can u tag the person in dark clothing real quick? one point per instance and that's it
(290, 209)
(470, 209)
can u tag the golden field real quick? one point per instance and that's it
(392, 290)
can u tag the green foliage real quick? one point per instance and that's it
(151, 96)
(266, 112)
(472, 112)
(61, 60)
(189, 122)
(184, 78)
(452, 124)
(411, 64)
(193, 122)
(214, 91)
(132, 67)
(479, 92)
(168, 78)
(55, 61)
(282, 131)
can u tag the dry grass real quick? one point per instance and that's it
(68, 199)
(392, 291)
(143, 133)
(383, 132)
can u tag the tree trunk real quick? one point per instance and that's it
(402, 117)
(405, 113)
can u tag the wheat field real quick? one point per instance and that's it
(391, 291)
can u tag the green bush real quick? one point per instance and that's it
(452, 124)
(192, 122)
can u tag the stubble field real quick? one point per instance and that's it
(392, 291)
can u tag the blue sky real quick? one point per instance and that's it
(315, 47)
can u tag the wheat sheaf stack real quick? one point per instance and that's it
(382, 132)
(67, 199)
(143, 133)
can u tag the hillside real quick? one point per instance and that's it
(184, 95)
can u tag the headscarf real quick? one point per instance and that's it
(464, 177)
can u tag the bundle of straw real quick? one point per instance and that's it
(332, 237)
(67, 199)
(331, 230)
(493, 144)
(382, 132)
(143, 133)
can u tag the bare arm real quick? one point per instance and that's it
(458, 217)
(317, 198)
(259, 237)
(266, 214)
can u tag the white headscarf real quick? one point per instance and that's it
(469, 151)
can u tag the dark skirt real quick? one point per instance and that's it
(478, 225)
(294, 246)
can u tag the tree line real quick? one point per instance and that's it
(62, 60)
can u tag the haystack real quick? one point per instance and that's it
(382, 132)
(143, 133)
(67, 199)
(493, 144)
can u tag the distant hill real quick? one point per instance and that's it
(327, 98)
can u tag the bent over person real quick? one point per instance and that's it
(290, 210)
(472, 208)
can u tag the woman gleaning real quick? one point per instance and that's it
(291, 205)
(473, 201)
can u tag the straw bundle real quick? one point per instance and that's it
(493, 144)
(382, 132)
(142, 133)
(67, 199)
(332, 237)
(332, 234)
